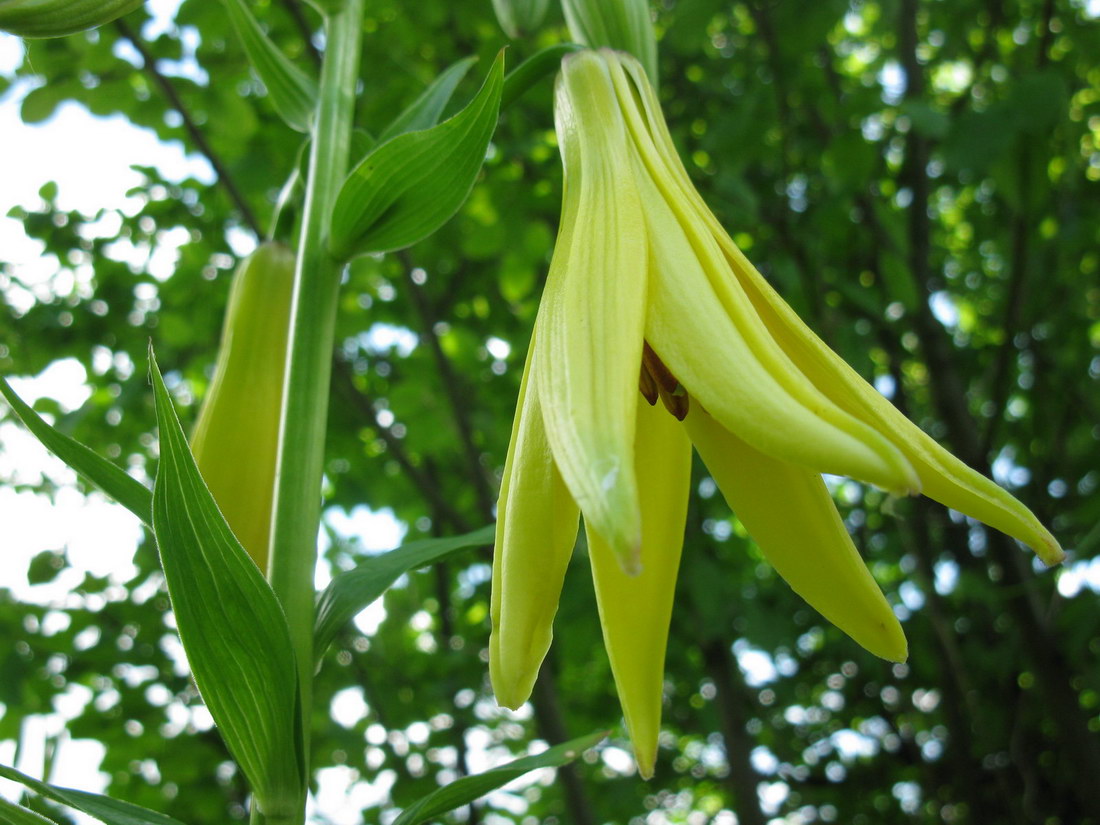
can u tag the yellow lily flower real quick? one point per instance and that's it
(645, 279)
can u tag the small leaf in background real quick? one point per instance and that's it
(411, 185)
(109, 478)
(519, 18)
(469, 788)
(45, 566)
(103, 808)
(424, 112)
(232, 626)
(351, 591)
(293, 92)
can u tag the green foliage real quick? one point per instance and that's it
(469, 788)
(352, 590)
(105, 475)
(407, 187)
(861, 197)
(293, 92)
(232, 626)
(423, 113)
(57, 18)
(105, 809)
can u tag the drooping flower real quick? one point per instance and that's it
(645, 282)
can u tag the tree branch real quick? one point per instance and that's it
(457, 396)
(196, 135)
(294, 9)
(364, 402)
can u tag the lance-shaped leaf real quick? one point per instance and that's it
(103, 808)
(542, 63)
(424, 112)
(232, 626)
(293, 92)
(351, 591)
(109, 478)
(409, 186)
(469, 788)
(14, 814)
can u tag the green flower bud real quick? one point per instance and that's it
(56, 18)
(520, 17)
(237, 435)
(623, 25)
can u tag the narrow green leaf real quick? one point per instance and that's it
(409, 186)
(232, 626)
(13, 814)
(351, 591)
(469, 788)
(424, 112)
(109, 478)
(541, 64)
(293, 92)
(111, 811)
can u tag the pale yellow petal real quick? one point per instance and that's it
(694, 335)
(691, 278)
(635, 610)
(942, 476)
(536, 530)
(790, 515)
(590, 324)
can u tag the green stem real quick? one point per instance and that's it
(313, 317)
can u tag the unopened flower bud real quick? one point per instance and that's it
(237, 435)
(520, 17)
(624, 25)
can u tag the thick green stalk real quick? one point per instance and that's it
(313, 315)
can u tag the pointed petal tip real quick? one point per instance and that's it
(1049, 551)
(511, 696)
(511, 704)
(625, 540)
(906, 482)
(646, 759)
(888, 642)
(912, 489)
(631, 560)
(512, 681)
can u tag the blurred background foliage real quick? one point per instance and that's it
(920, 179)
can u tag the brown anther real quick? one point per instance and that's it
(661, 374)
(671, 392)
(647, 386)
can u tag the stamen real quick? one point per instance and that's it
(669, 389)
(647, 386)
(661, 374)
